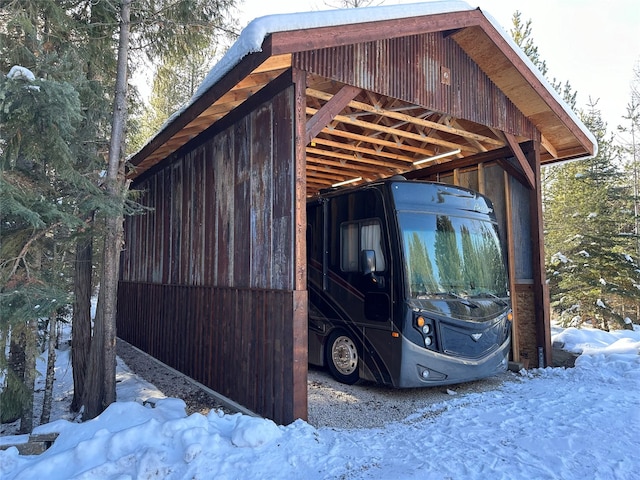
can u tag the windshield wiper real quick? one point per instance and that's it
(464, 300)
(494, 297)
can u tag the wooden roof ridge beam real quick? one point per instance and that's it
(522, 159)
(398, 133)
(322, 117)
(409, 118)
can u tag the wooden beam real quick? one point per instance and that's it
(548, 147)
(353, 162)
(330, 110)
(365, 107)
(299, 79)
(311, 160)
(522, 160)
(514, 172)
(340, 174)
(398, 132)
(331, 130)
(487, 157)
(329, 177)
(351, 158)
(511, 263)
(540, 287)
(332, 36)
(363, 150)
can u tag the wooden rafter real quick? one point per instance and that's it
(400, 134)
(362, 160)
(375, 152)
(334, 131)
(330, 109)
(376, 109)
(522, 160)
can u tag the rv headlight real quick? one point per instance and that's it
(426, 329)
(428, 341)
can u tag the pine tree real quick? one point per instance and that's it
(522, 35)
(39, 189)
(591, 271)
(629, 141)
(69, 45)
(176, 80)
(591, 268)
(165, 29)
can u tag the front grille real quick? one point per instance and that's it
(460, 343)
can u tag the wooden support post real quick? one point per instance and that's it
(481, 186)
(300, 295)
(541, 292)
(511, 259)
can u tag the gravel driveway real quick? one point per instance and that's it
(367, 405)
(331, 404)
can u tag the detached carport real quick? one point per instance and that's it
(213, 278)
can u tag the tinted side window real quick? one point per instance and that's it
(358, 236)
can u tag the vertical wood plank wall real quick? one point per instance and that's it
(209, 280)
(409, 68)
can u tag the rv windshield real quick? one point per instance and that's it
(451, 255)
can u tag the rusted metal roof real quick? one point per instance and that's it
(361, 125)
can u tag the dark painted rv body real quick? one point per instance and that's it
(378, 257)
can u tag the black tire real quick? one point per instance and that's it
(342, 357)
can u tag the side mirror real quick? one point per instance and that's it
(367, 261)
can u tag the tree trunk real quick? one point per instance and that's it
(31, 352)
(51, 364)
(94, 379)
(81, 322)
(12, 397)
(105, 347)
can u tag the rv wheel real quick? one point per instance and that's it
(342, 357)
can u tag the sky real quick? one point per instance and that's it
(551, 423)
(592, 44)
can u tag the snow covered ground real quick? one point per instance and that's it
(551, 423)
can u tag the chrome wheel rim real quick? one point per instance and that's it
(344, 355)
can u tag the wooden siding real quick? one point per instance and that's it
(522, 233)
(210, 281)
(410, 69)
(221, 214)
(236, 341)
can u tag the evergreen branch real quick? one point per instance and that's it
(21, 256)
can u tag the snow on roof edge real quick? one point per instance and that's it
(253, 35)
(251, 38)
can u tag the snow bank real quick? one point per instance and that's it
(547, 423)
